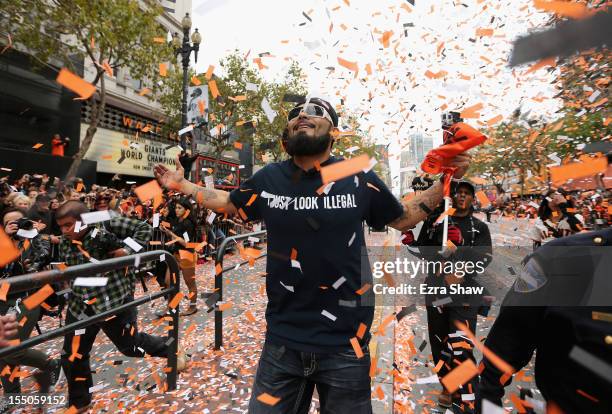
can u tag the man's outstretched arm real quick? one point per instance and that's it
(420, 206)
(213, 199)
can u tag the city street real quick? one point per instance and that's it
(219, 381)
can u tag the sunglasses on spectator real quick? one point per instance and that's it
(312, 110)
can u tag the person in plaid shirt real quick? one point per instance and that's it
(93, 244)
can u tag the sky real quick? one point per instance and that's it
(401, 95)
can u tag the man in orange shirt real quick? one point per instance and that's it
(57, 145)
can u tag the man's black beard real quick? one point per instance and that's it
(301, 144)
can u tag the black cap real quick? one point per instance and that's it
(328, 107)
(467, 184)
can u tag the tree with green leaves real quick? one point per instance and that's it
(105, 35)
(236, 114)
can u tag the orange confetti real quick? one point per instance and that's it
(542, 63)
(484, 32)
(386, 37)
(494, 120)
(560, 174)
(107, 68)
(38, 297)
(214, 91)
(357, 348)
(562, 8)
(209, 72)
(483, 199)
(148, 191)
(251, 200)
(438, 75)
(342, 169)
(268, 399)
(361, 330)
(459, 375)
(352, 66)
(380, 394)
(176, 300)
(472, 111)
(250, 316)
(448, 212)
(363, 289)
(225, 306)
(163, 70)
(75, 83)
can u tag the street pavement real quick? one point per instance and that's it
(220, 381)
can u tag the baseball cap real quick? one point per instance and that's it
(467, 184)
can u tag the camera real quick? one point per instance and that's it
(25, 224)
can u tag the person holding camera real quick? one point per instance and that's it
(82, 245)
(472, 243)
(34, 257)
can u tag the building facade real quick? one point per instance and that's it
(411, 158)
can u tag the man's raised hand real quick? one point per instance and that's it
(172, 180)
(462, 163)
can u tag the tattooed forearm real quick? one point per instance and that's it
(217, 200)
(414, 211)
(202, 194)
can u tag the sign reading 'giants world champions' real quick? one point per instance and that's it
(120, 153)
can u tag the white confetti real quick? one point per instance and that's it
(328, 315)
(296, 264)
(339, 282)
(95, 217)
(289, 288)
(186, 129)
(352, 239)
(433, 379)
(132, 244)
(489, 408)
(90, 281)
(270, 113)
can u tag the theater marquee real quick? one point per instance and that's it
(120, 153)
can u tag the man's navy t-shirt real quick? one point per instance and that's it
(312, 301)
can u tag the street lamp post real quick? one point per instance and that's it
(184, 48)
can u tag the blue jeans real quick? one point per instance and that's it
(342, 381)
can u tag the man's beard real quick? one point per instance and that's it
(301, 144)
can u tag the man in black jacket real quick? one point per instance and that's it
(472, 242)
(186, 161)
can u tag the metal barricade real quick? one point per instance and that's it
(219, 279)
(36, 280)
